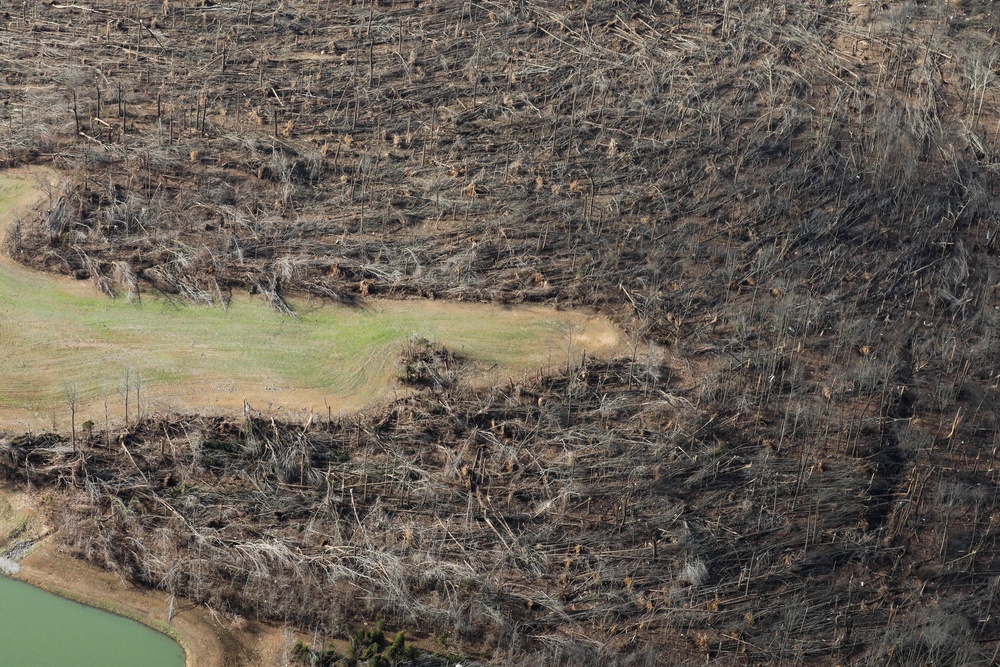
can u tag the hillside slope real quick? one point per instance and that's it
(798, 199)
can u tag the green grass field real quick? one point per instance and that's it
(60, 337)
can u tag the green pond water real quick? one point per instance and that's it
(38, 629)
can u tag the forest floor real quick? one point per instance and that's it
(790, 209)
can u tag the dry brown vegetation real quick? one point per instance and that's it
(656, 155)
(599, 517)
(798, 197)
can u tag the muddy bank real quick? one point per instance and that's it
(32, 554)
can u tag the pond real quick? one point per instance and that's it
(38, 629)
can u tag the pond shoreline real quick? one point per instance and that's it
(54, 629)
(205, 637)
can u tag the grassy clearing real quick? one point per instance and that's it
(61, 338)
